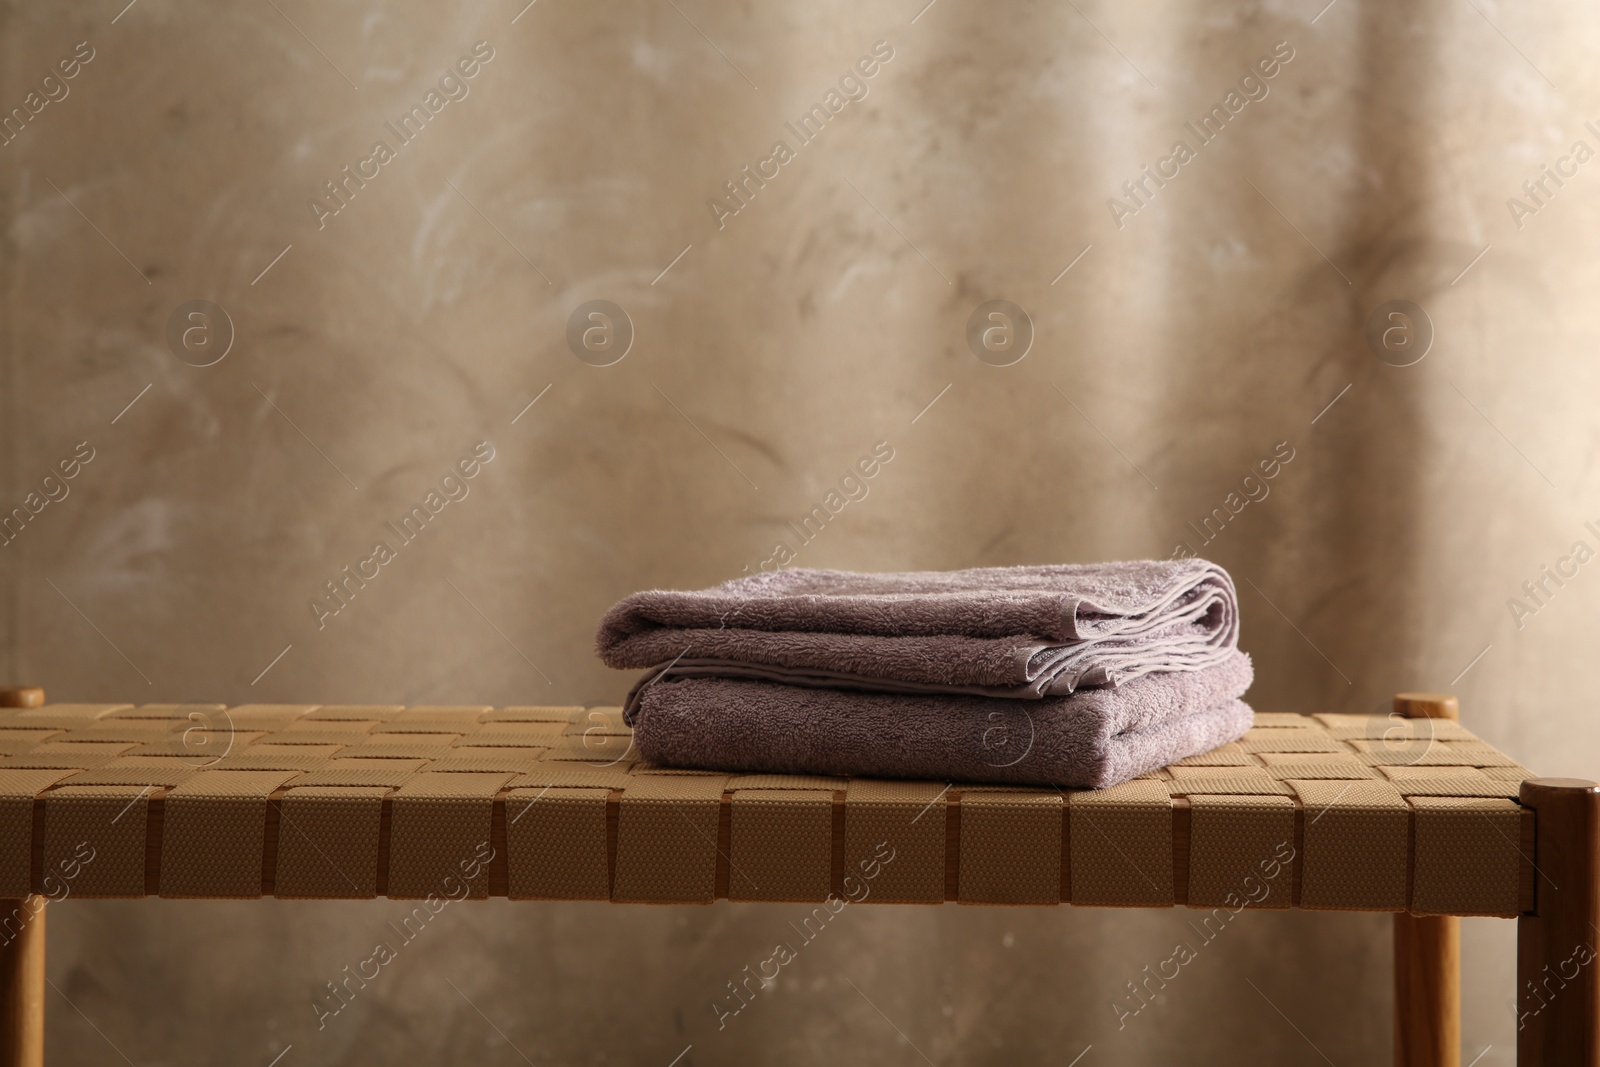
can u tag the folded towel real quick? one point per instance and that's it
(1092, 739)
(1020, 632)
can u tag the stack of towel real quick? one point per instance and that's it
(1073, 675)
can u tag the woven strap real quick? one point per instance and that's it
(1467, 852)
(1121, 851)
(562, 714)
(667, 844)
(556, 843)
(1259, 783)
(95, 841)
(439, 835)
(1010, 848)
(781, 844)
(905, 820)
(1240, 851)
(328, 841)
(213, 836)
(1356, 845)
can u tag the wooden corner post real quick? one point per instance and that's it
(1427, 952)
(1558, 974)
(22, 983)
(22, 951)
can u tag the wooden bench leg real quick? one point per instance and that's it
(22, 949)
(22, 983)
(1558, 974)
(1427, 952)
(1427, 991)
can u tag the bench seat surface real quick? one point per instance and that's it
(1334, 812)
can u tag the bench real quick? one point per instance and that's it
(1410, 814)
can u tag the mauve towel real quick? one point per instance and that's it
(1092, 739)
(1028, 632)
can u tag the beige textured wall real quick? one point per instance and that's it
(1178, 351)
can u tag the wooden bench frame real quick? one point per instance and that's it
(1563, 868)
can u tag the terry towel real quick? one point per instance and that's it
(1092, 739)
(1018, 632)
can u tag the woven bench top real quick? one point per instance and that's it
(1339, 812)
